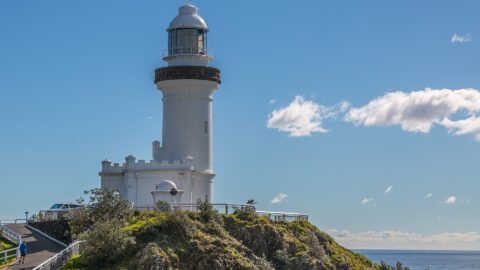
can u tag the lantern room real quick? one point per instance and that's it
(187, 36)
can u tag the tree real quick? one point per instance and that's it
(100, 224)
(103, 206)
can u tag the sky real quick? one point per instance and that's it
(362, 114)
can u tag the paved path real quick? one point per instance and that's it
(40, 248)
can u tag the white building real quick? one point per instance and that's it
(183, 162)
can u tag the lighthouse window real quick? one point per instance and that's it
(187, 41)
(206, 126)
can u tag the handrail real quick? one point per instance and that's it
(61, 258)
(10, 234)
(283, 215)
(4, 254)
(15, 220)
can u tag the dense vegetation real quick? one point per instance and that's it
(203, 240)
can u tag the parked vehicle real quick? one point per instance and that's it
(58, 211)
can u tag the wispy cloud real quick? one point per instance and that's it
(280, 197)
(461, 39)
(419, 111)
(303, 117)
(428, 195)
(451, 200)
(366, 200)
(398, 239)
(272, 101)
(388, 189)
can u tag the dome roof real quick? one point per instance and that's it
(188, 18)
(166, 185)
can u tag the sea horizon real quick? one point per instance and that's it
(426, 259)
(406, 250)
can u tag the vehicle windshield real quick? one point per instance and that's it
(56, 206)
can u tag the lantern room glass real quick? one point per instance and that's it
(187, 41)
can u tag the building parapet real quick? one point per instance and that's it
(132, 164)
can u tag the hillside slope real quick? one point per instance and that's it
(188, 240)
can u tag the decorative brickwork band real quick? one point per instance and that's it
(187, 72)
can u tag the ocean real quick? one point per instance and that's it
(421, 259)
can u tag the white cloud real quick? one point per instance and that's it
(388, 189)
(404, 240)
(465, 126)
(366, 200)
(301, 117)
(428, 195)
(280, 197)
(451, 200)
(419, 111)
(272, 101)
(460, 39)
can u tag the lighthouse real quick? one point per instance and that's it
(187, 84)
(181, 168)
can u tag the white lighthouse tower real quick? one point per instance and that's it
(187, 85)
(183, 162)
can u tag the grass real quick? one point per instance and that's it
(6, 245)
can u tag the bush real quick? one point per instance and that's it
(102, 207)
(398, 266)
(106, 242)
(247, 213)
(207, 212)
(163, 206)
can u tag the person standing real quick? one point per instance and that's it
(23, 251)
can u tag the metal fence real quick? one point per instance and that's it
(287, 216)
(6, 255)
(10, 234)
(13, 237)
(61, 258)
(227, 208)
(12, 221)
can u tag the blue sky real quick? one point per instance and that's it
(76, 82)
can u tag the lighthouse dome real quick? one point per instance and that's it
(188, 18)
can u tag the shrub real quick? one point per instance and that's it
(207, 212)
(246, 213)
(102, 207)
(163, 206)
(106, 242)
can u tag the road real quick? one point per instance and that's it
(40, 248)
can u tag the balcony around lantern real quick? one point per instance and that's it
(177, 56)
(187, 51)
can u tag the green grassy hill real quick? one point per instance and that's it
(201, 241)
